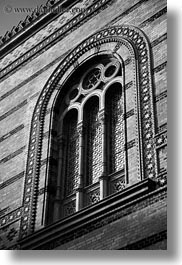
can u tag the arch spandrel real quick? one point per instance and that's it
(125, 37)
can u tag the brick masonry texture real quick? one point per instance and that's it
(19, 92)
(127, 232)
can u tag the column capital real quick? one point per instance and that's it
(60, 139)
(102, 115)
(80, 128)
(103, 177)
(79, 188)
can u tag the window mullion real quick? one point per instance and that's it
(79, 191)
(57, 201)
(103, 177)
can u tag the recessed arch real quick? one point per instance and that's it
(95, 93)
(115, 126)
(119, 38)
(118, 80)
(75, 106)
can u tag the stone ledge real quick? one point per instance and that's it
(90, 215)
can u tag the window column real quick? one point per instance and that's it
(57, 201)
(79, 190)
(103, 177)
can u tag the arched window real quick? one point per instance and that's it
(91, 157)
(115, 128)
(71, 153)
(70, 161)
(93, 150)
(115, 137)
(114, 59)
(93, 141)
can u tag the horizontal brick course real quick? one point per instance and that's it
(144, 227)
(19, 92)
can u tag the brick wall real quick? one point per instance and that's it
(143, 226)
(20, 90)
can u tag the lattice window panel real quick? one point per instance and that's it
(69, 208)
(116, 132)
(93, 196)
(92, 78)
(72, 157)
(94, 145)
(117, 185)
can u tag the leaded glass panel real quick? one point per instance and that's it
(94, 144)
(72, 155)
(69, 208)
(115, 130)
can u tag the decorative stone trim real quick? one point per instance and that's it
(123, 34)
(160, 67)
(129, 113)
(12, 180)
(161, 139)
(4, 211)
(106, 211)
(37, 13)
(61, 33)
(154, 17)
(162, 178)
(11, 111)
(12, 132)
(159, 40)
(11, 217)
(161, 96)
(12, 155)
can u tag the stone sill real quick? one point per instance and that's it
(90, 214)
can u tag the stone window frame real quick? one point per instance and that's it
(111, 40)
(80, 194)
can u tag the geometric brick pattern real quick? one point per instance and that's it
(134, 208)
(11, 217)
(60, 33)
(9, 235)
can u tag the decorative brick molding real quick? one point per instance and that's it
(5, 115)
(12, 180)
(135, 41)
(155, 16)
(17, 152)
(12, 132)
(133, 8)
(37, 13)
(161, 146)
(160, 67)
(115, 207)
(159, 40)
(161, 139)
(57, 35)
(4, 211)
(11, 217)
(141, 244)
(161, 96)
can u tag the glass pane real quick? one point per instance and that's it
(72, 154)
(94, 143)
(115, 129)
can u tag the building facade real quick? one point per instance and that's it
(83, 127)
